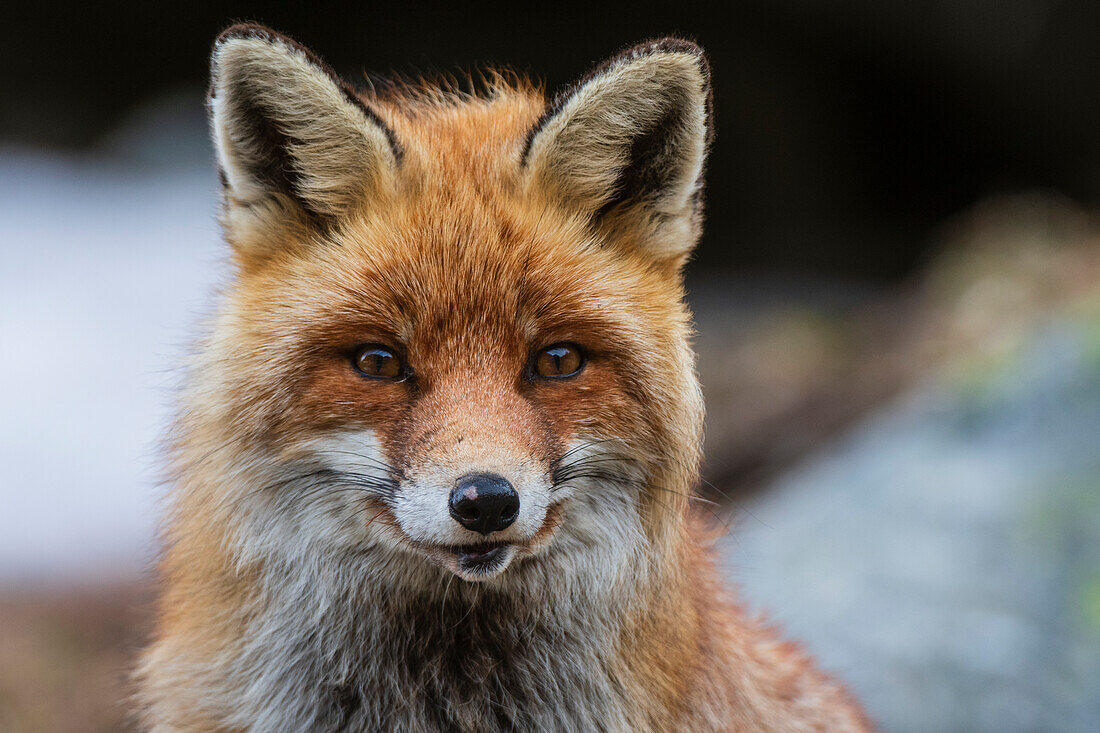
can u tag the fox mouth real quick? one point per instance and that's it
(480, 558)
(475, 562)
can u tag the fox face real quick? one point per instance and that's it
(455, 337)
(436, 447)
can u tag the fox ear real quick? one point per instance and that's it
(295, 144)
(628, 144)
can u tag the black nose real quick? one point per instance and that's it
(484, 502)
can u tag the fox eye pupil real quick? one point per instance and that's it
(378, 362)
(558, 360)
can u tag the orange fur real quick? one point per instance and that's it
(465, 263)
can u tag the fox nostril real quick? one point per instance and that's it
(484, 503)
(466, 511)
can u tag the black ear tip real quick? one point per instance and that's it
(672, 44)
(239, 31)
(678, 45)
(668, 44)
(250, 30)
(255, 31)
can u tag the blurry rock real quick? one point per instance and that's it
(944, 557)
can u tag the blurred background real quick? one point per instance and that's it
(898, 300)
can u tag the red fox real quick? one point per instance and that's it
(434, 459)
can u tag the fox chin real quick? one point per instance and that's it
(434, 458)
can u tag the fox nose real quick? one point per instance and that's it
(484, 502)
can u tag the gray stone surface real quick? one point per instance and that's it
(944, 557)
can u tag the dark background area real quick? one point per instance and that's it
(847, 129)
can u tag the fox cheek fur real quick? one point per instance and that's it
(434, 457)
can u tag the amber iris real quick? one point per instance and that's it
(559, 360)
(378, 362)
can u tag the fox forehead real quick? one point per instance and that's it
(446, 136)
(428, 273)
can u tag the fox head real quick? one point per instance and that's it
(455, 336)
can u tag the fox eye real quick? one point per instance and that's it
(378, 362)
(558, 360)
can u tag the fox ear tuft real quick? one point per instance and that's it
(628, 144)
(294, 142)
